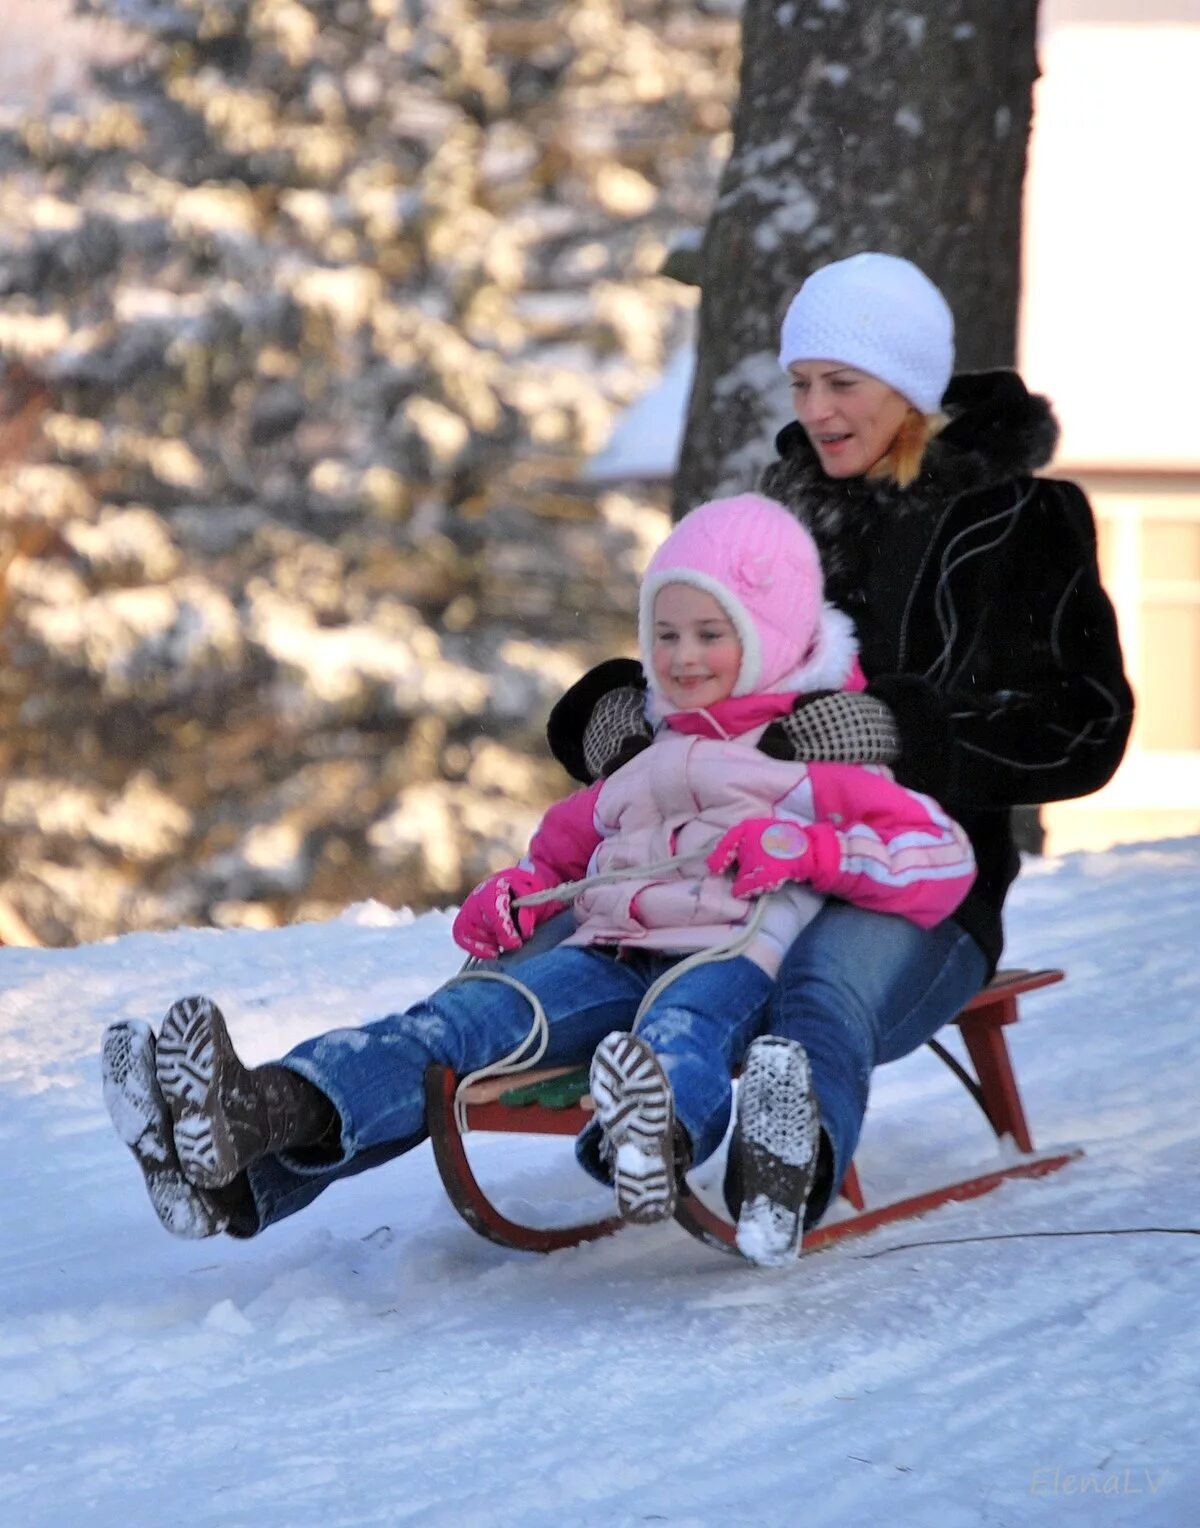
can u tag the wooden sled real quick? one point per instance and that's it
(555, 1101)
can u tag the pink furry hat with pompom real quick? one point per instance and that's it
(761, 566)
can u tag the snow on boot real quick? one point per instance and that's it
(636, 1110)
(142, 1119)
(777, 1137)
(227, 1115)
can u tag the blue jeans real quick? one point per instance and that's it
(859, 989)
(374, 1075)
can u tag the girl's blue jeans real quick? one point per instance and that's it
(374, 1075)
(857, 989)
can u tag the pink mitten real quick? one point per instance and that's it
(768, 852)
(487, 924)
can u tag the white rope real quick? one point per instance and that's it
(517, 1061)
(567, 891)
(726, 951)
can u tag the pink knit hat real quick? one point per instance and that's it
(761, 566)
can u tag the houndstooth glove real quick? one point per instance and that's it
(835, 727)
(616, 730)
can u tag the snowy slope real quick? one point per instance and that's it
(373, 1362)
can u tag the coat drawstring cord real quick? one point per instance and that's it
(520, 1058)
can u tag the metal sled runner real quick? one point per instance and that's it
(556, 1102)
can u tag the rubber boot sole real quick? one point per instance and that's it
(142, 1118)
(635, 1107)
(199, 1073)
(777, 1137)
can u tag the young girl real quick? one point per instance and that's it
(700, 846)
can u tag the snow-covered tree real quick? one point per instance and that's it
(326, 301)
(898, 125)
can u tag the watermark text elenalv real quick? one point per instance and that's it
(1131, 1482)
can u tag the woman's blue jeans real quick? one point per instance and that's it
(375, 1075)
(859, 989)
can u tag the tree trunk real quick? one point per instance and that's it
(861, 125)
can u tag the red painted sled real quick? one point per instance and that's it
(555, 1102)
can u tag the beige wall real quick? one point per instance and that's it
(1110, 329)
(1110, 322)
(1149, 542)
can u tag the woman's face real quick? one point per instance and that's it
(850, 418)
(697, 655)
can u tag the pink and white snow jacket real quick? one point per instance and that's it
(878, 844)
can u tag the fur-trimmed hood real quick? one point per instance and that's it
(998, 431)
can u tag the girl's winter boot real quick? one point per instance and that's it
(636, 1110)
(227, 1115)
(776, 1139)
(142, 1119)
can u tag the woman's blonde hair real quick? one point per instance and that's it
(902, 460)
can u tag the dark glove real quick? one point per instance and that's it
(834, 727)
(571, 713)
(617, 730)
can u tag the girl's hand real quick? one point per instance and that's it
(768, 852)
(487, 923)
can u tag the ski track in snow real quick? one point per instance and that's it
(372, 1361)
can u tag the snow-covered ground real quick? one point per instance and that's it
(374, 1362)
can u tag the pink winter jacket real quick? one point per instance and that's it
(876, 844)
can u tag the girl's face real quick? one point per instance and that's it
(696, 654)
(850, 418)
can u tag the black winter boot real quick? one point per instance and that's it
(227, 1115)
(776, 1141)
(142, 1119)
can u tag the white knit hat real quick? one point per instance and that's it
(877, 313)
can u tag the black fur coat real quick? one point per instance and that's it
(980, 615)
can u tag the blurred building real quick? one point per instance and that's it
(1111, 331)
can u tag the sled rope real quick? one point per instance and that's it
(516, 1060)
(521, 1058)
(725, 951)
(962, 1241)
(567, 891)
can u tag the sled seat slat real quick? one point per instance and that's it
(543, 1087)
(566, 1087)
(996, 1003)
(555, 1101)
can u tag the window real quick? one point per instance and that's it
(1149, 539)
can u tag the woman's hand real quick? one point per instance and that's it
(617, 730)
(487, 923)
(834, 727)
(768, 852)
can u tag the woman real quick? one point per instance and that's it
(991, 652)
